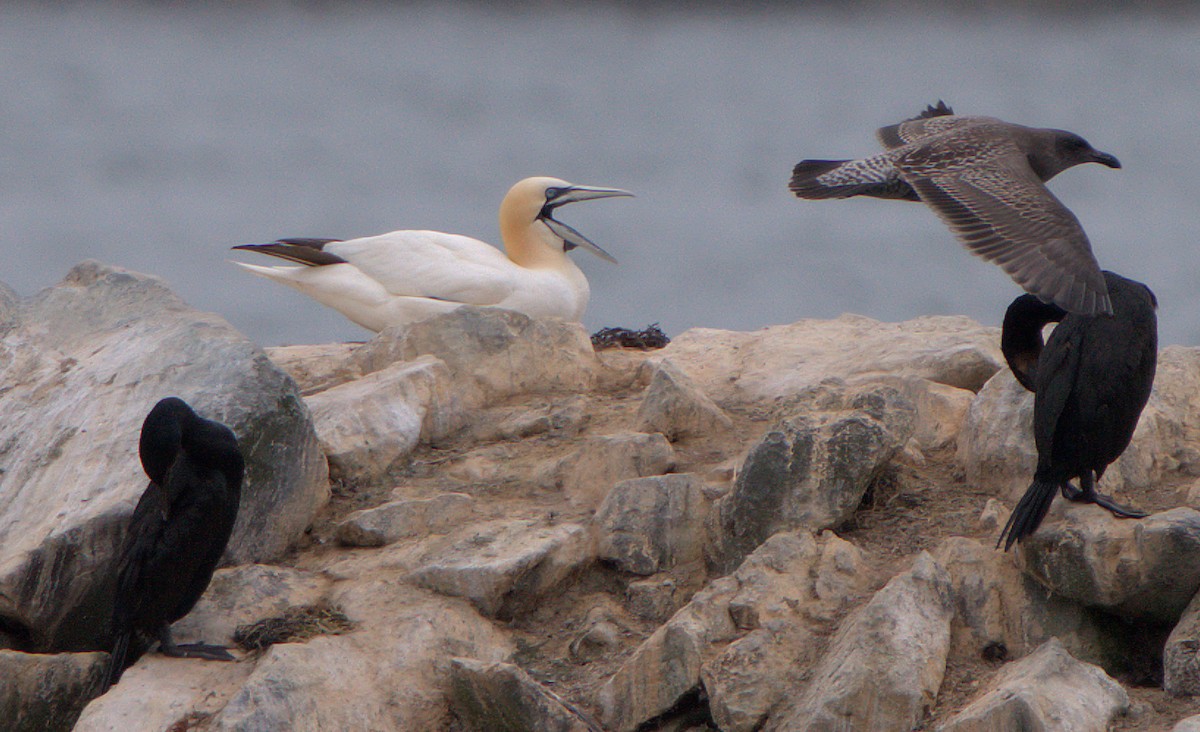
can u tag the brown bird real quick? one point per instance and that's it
(985, 179)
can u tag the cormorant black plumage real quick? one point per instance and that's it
(1090, 382)
(178, 532)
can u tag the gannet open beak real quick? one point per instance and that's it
(556, 197)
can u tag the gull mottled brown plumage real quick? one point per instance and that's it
(985, 179)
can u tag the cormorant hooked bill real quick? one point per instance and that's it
(178, 531)
(1090, 383)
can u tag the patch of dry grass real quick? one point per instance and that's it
(296, 625)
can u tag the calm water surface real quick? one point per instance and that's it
(156, 137)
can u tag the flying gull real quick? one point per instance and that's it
(985, 179)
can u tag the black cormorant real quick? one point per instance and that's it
(1090, 383)
(178, 532)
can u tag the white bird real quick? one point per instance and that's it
(409, 275)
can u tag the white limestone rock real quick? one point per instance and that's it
(406, 518)
(676, 407)
(776, 362)
(83, 363)
(246, 594)
(647, 525)
(1047, 690)
(316, 368)
(885, 663)
(368, 425)
(1146, 568)
(743, 636)
(47, 691)
(492, 353)
(1181, 654)
(488, 696)
(589, 473)
(503, 566)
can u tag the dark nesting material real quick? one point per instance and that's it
(650, 337)
(178, 532)
(984, 178)
(1090, 383)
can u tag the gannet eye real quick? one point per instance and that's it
(552, 193)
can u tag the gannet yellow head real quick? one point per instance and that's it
(527, 222)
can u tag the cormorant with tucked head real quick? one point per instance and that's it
(178, 532)
(1091, 381)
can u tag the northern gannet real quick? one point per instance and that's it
(984, 178)
(409, 275)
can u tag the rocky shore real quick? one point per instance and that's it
(785, 529)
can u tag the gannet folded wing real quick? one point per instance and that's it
(419, 263)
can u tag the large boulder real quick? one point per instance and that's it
(1046, 690)
(492, 353)
(776, 362)
(497, 696)
(1145, 569)
(746, 638)
(811, 471)
(647, 525)
(390, 673)
(82, 363)
(46, 693)
(368, 425)
(885, 663)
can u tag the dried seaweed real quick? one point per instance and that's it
(648, 338)
(296, 625)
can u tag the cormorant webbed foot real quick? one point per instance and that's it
(1116, 509)
(167, 647)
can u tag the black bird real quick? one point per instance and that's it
(178, 532)
(1090, 383)
(985, 179)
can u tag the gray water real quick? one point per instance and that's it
(155, 137)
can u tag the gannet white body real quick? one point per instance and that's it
(410, 275)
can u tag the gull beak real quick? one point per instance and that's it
(1105, 159)
(556, 197)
